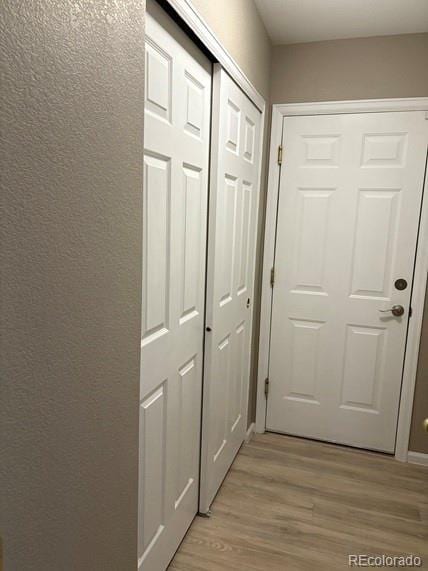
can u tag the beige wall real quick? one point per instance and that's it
(419, 436)
(72, 125)
(239, 27)
(71, 272)
(363, 68)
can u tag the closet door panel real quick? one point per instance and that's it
(234, 196)
(177, 131)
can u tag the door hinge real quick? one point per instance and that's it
(410, 312)
(272, 277)
(280, 154)
(266, 387)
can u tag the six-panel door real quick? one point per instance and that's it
(177, 131)
(350, 197)
(234, 195)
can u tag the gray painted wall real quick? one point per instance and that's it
(418, 434)
(72, 124)
(358, 68)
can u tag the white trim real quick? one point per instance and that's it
(250, 432)
(279, 111)
(268, 258)
(414, 333)
(260, 184)
(357, 106)
(417, 458)
(199, 26)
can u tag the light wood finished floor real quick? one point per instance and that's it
(292, 504)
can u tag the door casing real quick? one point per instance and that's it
(279, 111)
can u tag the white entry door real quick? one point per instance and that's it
(234, 196)
(177, 132)
(350, 198)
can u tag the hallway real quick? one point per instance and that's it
(299, 505)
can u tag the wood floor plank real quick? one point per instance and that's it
(298, 505)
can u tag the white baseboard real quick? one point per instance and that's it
(250, 432)
(417, 458)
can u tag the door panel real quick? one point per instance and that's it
(362, 370)
(348, 214)
(377, 213)
(152, 444)
(177, 131)
(156, 205)
(231, 253)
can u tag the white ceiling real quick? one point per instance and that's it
(292, 21)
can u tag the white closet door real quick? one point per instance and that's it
(177, 131)
(348, 215)
(234, 195)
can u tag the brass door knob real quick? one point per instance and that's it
(425, 424)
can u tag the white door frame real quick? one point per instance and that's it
(279, 111)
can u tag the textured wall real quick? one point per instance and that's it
(362, 68)
(71, 174)
(239, 27)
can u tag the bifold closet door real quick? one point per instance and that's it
(177, 131)
(234, 195)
